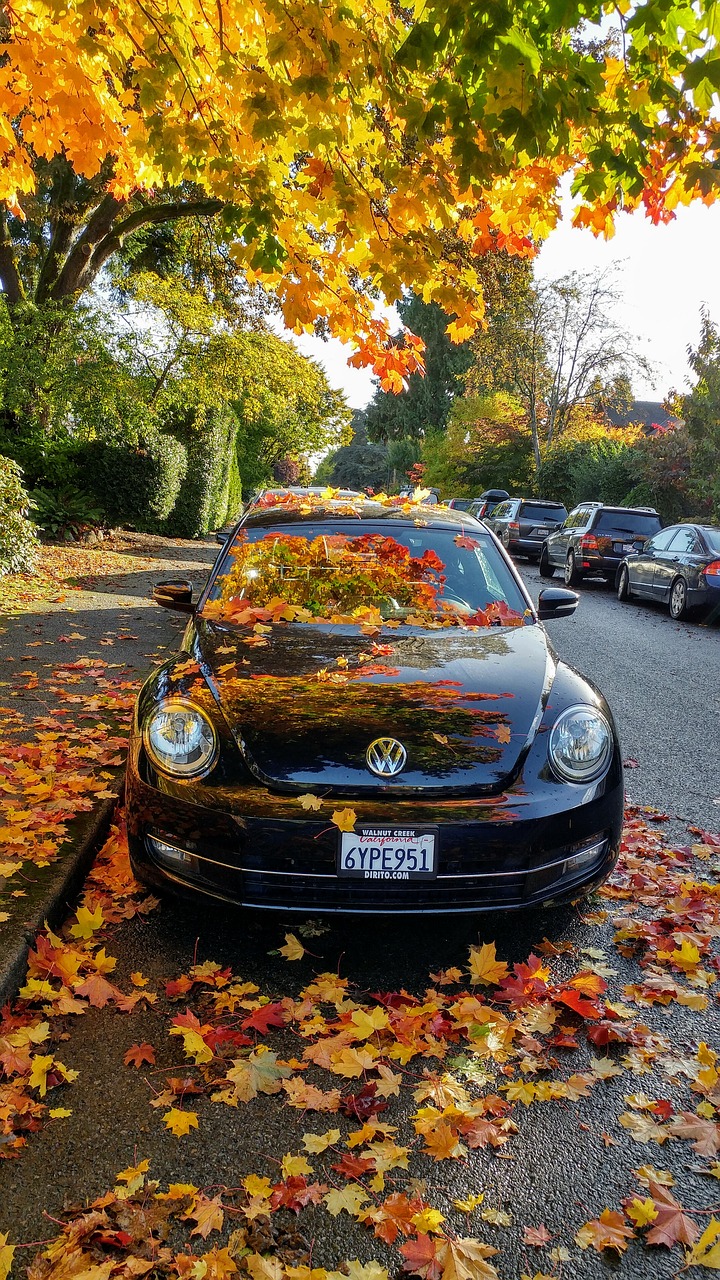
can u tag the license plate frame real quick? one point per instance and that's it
(371, 854)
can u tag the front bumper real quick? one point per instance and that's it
(509, 855)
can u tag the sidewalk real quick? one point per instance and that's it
(75, 644)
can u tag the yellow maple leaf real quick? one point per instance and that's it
(484, 967)
(351, 1062)
(470, 1202)
(6, 1255)
(641, 1212)
(705, 1253)
(38, 1075)
(367, 1024)
(295, 1166)
(88, 922)
(293, 949)
(685, 957)
(59, 1113)
(309, 801)
(345, 819)
(257, 1186)
(317, 1142)
(428, 1221)
(193, 1044)
(180, 1122)
(351, 1199)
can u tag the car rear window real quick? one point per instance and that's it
(712, 537)
(536, 511)
(362, 572)
(634, 522)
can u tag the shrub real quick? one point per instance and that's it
(208, 434)
(18, 538)
(64, 511)
(135, 484)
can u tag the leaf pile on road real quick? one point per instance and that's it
(397, 1100)
(60, 568)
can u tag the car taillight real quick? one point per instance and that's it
(588, 542)
(513, 526)
(713, 571)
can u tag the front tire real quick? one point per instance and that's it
(678, 600)
(623, 586)
(545, 567)
(573, 576)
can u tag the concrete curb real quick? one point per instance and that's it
(56, 898)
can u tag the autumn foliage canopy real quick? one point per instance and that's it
(355, 147)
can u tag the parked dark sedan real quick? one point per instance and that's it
(523, 524)
(367, 716)
(679, 566)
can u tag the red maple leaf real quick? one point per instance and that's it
(269, 1015)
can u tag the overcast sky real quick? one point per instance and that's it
(667, 274)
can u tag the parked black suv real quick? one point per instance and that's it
(523, 524)
(487, 502)
(595, 539)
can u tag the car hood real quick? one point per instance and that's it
(305, 707)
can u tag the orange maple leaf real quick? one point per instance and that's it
(139, 1053)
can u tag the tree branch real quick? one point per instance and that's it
(100, 241)
(10, 280)
(70, 280)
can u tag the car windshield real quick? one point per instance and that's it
(534, 511)
(360, 572)
(638, 523)
(712, 537)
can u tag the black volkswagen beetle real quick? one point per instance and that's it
(367, 716)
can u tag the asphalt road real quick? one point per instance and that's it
(661, 679)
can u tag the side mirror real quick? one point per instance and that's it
(175, 594)
(222, 535)
(555, 602)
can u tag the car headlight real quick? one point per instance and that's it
(180, 739)
(581, 744)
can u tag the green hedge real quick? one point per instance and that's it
(211, 487)
(135, 485)
(18, 537)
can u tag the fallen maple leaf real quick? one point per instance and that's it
(208, 1215)
(706, 1253)
(609, 1231)
(293, 949)
(180, 1122)
(7, 1252)
(317, 1142)
(88, 922)
(309, 801)
(344, 819)
(672, 1225)
(484, 967)
(139, 1053)
(537, 1236)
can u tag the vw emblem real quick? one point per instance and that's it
(386, 757)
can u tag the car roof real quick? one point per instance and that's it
(609, 506)
(432, 517)
(541, 502)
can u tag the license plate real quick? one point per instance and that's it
(388, 853)
(623, 548)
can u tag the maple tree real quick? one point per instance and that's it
(353, 148)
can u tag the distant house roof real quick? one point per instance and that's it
(649, 413)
